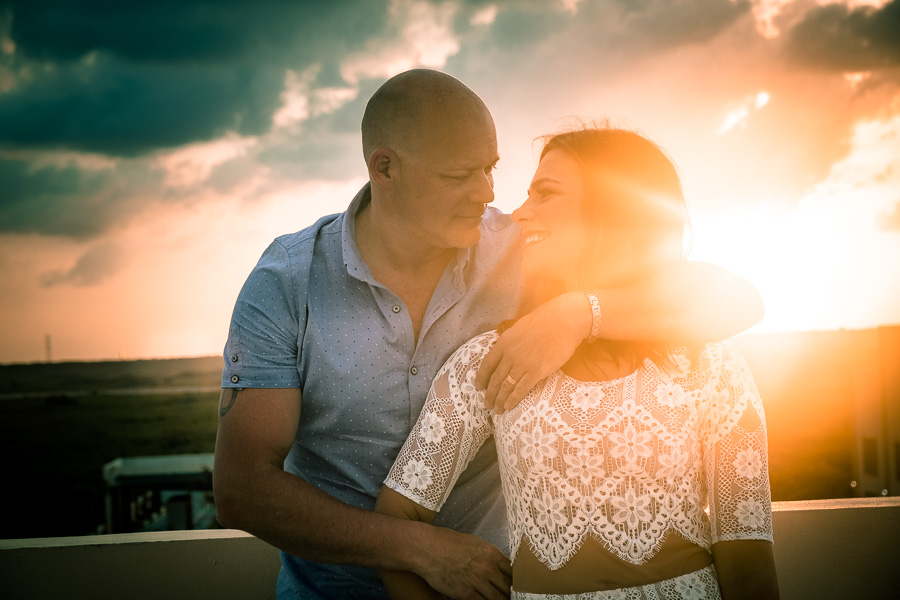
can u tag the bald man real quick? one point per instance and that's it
(340, 328)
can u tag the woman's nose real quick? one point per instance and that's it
(522, 214)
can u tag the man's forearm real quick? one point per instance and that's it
(298, 518)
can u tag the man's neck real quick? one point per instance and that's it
(401, 262)
(388, 245)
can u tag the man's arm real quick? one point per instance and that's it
(255, 494)
(687, 302)
(485, 571)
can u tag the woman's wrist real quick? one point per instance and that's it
(596, 316)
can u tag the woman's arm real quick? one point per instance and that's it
(746, 570)
(736, 449)
(488, 572)
(688, 302)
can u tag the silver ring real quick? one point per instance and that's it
(511, 381)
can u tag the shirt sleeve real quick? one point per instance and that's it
(451, 428)
(735, 449)
(261, 351)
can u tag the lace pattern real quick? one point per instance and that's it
(625, 461)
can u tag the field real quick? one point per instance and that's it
(60, 423)
(54, 443)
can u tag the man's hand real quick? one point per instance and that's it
(466, 567)
(441, 561)
(537, 345)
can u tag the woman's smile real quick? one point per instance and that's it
(536, 237)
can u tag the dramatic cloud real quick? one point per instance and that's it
(125, 79)
(114, 108)
(210, 31)
(836, 37)
(52, 200)
(538, 48)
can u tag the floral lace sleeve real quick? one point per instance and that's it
(735, 449)
(451, 428)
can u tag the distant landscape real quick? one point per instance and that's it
(61, 422)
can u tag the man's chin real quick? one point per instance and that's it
(468, 239)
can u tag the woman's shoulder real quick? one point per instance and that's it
(695, 363)
(475, 349)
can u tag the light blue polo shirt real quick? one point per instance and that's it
(311, 315)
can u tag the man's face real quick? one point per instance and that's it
(445, 186)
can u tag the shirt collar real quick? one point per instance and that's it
(353, 260)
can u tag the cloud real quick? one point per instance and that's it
(739, 113)
(535, 51)
(210, 31)
(72, 198)
(838, 38)
(193, 164)
(94, 267)
(125, 79)
(119, 109)
(50, 200)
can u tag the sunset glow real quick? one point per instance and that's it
(140, 182)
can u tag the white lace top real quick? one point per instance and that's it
(625, 461)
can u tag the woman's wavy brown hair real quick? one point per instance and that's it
(634, 210)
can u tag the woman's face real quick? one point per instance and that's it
(551, 220)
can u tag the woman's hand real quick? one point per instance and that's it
(536, 346)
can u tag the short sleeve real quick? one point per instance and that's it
(735, 449)
(261, 351)
(451, 428)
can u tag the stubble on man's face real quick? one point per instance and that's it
(450, 181)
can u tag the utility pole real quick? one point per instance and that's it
(48, 348)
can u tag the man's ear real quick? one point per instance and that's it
(383, 166)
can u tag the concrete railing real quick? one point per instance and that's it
(824, 549)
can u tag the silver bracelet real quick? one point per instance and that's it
(595, 316)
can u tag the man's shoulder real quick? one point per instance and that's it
(305, 238)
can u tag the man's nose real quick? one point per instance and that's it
(484, 192)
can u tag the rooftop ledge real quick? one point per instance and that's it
(846, 548)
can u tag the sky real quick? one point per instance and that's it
(150, 151)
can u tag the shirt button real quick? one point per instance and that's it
(396, 308)
(234, 358)
(414, 370)
(235, 379)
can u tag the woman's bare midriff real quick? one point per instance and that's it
(593, 568)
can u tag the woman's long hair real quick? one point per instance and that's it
(634, 211)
